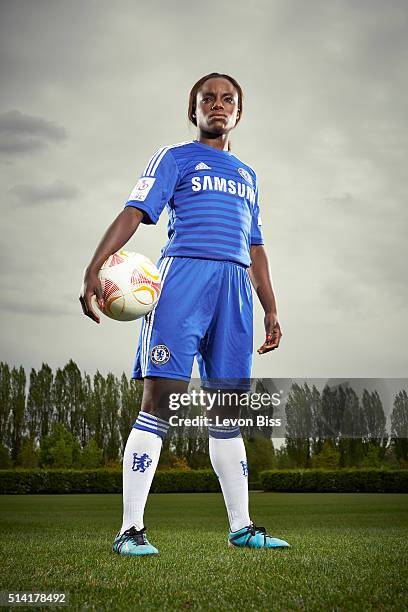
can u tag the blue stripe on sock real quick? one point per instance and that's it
(146, 415)
(224, 432)
(152, 424)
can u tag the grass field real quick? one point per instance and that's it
(349, 552)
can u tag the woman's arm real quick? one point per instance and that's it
(115, 237)
(261, 280)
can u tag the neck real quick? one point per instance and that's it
(218, 141)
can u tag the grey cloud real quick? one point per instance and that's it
(42, 309)
(21, 133)
(344, 200)
(40, 194)
(367, 247)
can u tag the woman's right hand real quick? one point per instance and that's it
(115, 237)
(91, 287)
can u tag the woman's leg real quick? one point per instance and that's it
(143, 447)
(229, 461)
(225, 363)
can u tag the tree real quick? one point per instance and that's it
(299, 424)
(332, 412)
(110, 418)
(374, 417)
(60, 449)
(189, 443)
(390, 460)
(130, 401)
(169, 460)
(28, 454)
(96, 412)
(39, 403)
(18, 400)
(61, 455)
(45, 380)
(197, 455)
(260, 455)
(91, 456)
(87, 430)
(318, 427)
(399, 426)
(250, 403)
(33, 418)
(352, 423)
(5, 459)
(5, 404)
(328, 458)
(59, 398)
(284, 461)
(373, 456)
(376, 438)
(353, 430)
(74, 398)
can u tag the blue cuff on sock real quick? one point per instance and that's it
(223, 432)
(153, 424)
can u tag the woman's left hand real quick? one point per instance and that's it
(273, 334)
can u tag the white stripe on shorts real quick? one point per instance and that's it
(147, 332)
(162, 269)
(146, 324)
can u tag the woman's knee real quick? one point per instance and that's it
(156, 395)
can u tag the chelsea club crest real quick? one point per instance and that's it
(160, 354)
(245, 174)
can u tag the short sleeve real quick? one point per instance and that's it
(156, 186)
(256, 226)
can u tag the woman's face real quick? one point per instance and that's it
(217, 106)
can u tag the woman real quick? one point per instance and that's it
(205, 308)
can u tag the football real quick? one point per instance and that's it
(130, 286)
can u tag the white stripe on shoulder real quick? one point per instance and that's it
(151, 161)
(158, 156)
(157, 161)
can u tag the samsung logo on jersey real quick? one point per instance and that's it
(216, 183)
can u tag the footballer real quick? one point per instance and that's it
(213, 253)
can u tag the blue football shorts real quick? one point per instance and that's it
(205, 311)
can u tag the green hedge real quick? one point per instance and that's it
(17, 482)
(336, 481)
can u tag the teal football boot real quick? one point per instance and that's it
(133, 542)
(254, 537)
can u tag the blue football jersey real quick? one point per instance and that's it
(211, 199)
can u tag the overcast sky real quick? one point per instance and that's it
(91, 88)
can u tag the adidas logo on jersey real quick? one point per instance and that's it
(202, 166)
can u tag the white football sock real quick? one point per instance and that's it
(140, 461)
(228, 458)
